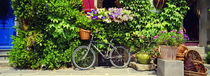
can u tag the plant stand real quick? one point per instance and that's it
(170, 68)
(142, 67)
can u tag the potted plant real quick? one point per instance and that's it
(143, 57)
(168, 42)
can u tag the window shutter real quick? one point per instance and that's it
(88, 5)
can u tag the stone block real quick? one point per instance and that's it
(170, 68)
(142, 67)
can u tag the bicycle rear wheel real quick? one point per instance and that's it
(120, 57)
(82, 58)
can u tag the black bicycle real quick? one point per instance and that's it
(84, 57)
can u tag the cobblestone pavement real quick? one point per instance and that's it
(98, 71)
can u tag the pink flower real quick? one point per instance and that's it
(156, 37)
(165, 40)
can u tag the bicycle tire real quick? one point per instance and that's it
(90, 51)
(124, 51)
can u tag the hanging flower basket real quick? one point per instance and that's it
(159, 3)
(84, 34)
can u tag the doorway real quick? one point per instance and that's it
(6, 24)
(191, 22)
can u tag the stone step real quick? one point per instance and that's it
(4, 51)
(3, 54)
(4, 63)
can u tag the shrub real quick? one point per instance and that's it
(208, 58)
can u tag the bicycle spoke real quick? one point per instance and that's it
(82, 58)
(119, 57)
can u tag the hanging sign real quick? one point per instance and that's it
(88, 5)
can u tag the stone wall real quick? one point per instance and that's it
(208, 19)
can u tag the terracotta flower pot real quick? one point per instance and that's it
(168, 52)
(84, 34)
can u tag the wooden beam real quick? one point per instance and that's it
(203, 22)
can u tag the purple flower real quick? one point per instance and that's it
(88, 14)
(162, 31)
(173, 31)
(188, 38)
(180, 32)
(118, 14)
(156, 37)
(93, 17)
(33, 42)
(113, 12)
(27, 48)
(172, 36)
(111, 16)
(177, 38)
(102, 17)
(30, 36)
(97, 12)
(96, 17)
(90, 11)
(185, 35)
(94, 12)
(165, 40)
(46, 5)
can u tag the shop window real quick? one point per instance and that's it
(108, 3)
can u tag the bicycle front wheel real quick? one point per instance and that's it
(83, 59)
(120, 57)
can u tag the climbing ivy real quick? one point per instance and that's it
(149, 20)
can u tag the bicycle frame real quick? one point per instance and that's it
(91, 44)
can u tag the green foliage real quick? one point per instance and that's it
(52, 35)
(53, 32)
(208, 58)
(148, 22)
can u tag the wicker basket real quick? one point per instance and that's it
(180, 56)
(84, 34)
(199, 66)
(197, 62)
(194, 55)
(192, 73)
(181, 49)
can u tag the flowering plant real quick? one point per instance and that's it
(110, 15)
(172, 38)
